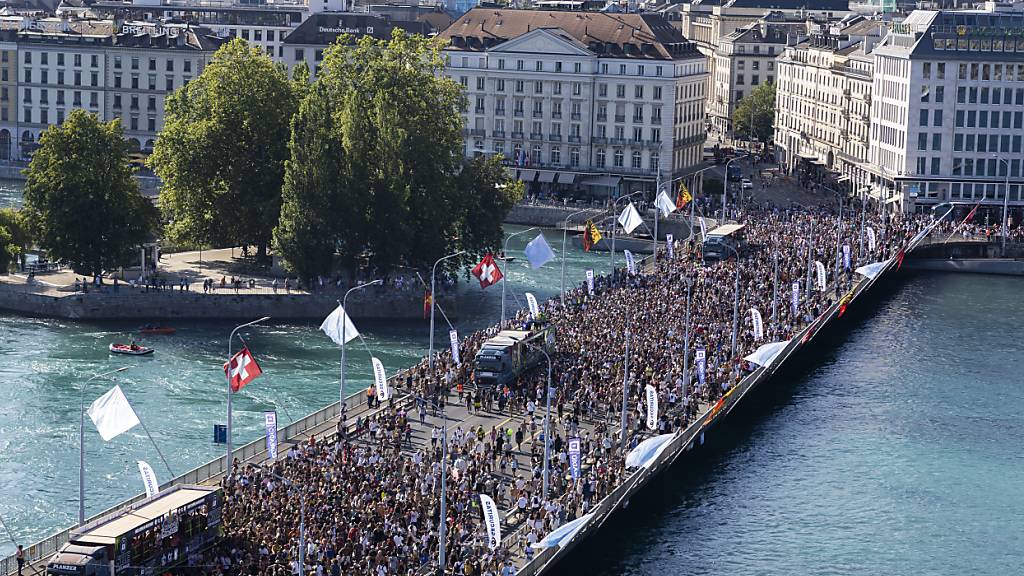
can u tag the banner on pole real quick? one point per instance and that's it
(531, 302)
(454, 337)
(703, 230)
(821, 275)
(149, 479)
(652, 407)
(871, 238)
(758, 322)
(702, 363)
(590, 281)
(846, 256)
(380, 378)
(574, 457)
(270, 421)
(491, 520)
(796, 297)
(630, 263)
(668, 246)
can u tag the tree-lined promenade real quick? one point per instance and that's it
(360, 169)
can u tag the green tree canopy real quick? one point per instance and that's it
(760, 103)
(81, 202)
(14, 236)
(221, 153)
(378, 142)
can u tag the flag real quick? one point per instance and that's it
(846, 256)
(454, 337)
(492, 521)
(270, 423)
(796, 297)
(487, 271)
(112, 414)
(847, 298)
(591, 236)
(531, 302)
(758, 322)
(871, 238)
(683, 198)
(538, 252)
(149, 479)
(665, 204)
(821, 275)
(702, 363)
(241, 369)
(970, 215)
(590, 281)
(703, 229)
(652, 407)
(380, 379)
(669, 240)
(899, 258)
(428, 302)
(630, 262)
(574, 457)
(339, 327)
(630, 218)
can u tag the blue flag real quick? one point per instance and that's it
(538, 252)
(574, 457)
(701, 364)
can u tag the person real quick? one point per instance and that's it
(20, 555)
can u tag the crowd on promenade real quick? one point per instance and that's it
(371, 498)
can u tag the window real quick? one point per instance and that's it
(151, 103)
(638, 91)
(622, 69)
(577, 67)
(169, 84)
(558, 68)
(739, 80)
(134, 123)
(117, 100)
(937, 141)
(937, 120)
(637, 160)
(619, 158)
(958, 142)
(151, 124)
(940, 93)
(28, 57)
(135, 63)
(657, 90)
(601, 158)
(935, 166)
(574, 157)
(638, 134)
(94, 99)
(501, 64)
(620, 91)
(519, 64)
(959, 118)
(94, 61)
(556, 155)
(926, 70)
(923, 117)
(538, 87)
(922, 141)
(94, 79)
(78, 59)
(519, 85)
(540, 66)
(577, 89)
(655, 161)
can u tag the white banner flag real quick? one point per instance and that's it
(590, 281)
(871, 238)
(149, 479)
(630, 262)
(758, 322)
(454, 337)
(112, 414)
(846, 256)
(796, 297)
(339, 327)
(821, 275)
(703, 229)
(652, 407)
(492, 521)
(665, 204)
(380, 378)
(630, 218)
(270, 423)
(531, 302)
(668, 246)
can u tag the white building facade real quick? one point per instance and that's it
(584, 101)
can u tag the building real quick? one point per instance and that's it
(8, 93)
(947, 109)
(580, 101)
(823, 103)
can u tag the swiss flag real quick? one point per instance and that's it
(241, 369)
(487, 271)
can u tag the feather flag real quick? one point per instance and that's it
(531, 303)
(149, 479)
(758, 322)
(871, 238)
(492, 521)
(630, 262)
(380, 379)
(822, 284)
(652, 407)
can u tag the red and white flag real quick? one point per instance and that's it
(487, 271)
(241, 369)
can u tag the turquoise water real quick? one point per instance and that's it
(11, 193)
(899, 453)
(179, 392)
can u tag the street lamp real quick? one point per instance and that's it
(344, 338)
(735, 301)
(442, 529)
(565, 229)
(231, 338)
(686, 335)
(81, 440)
(504, 272)
(615, 220)
(433, 303)
(302, 517)
(1006, 200)
(726, 185)
(547, 421)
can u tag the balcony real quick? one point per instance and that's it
(602, 117)
(620, 118)
(617, 141)
(574, 139)
(517, 135)
(477, 132)
(518, 113)
(538, 113)
(479, 110)
(497, 133)
(656, 121)
(499, 111)
(536, 136)
(598, 140)
(554, 137)
(556, 115)
(575, 115)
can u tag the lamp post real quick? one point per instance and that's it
(625, 395)
(433, 304)
(81, 440)
(1006, 200)
(615, 221)
(686, 335)
(504, 273)
(839, 233)
(442, 529)
(726, 185)
(735, 302)
(565, 229)
(547, 422)
(231, 338)
(344, 337)
(302, 518)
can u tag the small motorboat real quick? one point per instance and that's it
(158, 330)
(130, 349)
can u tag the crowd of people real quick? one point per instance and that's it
(369, 498)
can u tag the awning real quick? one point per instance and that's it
(527, 175)
(606, 181)
(566, 177)
(546, 176)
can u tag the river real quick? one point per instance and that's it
(898, 453)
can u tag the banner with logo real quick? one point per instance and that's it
(270, 421)
(821, 275)
(871, 238)
(668, 246)
(796, 297)
(703, 230)
(652, 407)
(531, 302)
(630, 263)
(149, 479)
(491, 520)
(846, 256)
(575, 458)
(702, 364)
(380, 378)
(590, 281)
(454, 337)
(758, 322)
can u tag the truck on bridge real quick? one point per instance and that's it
(508, 354)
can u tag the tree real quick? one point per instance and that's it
(760, 102)
(221, 153)
(81, 201)
(404, 194)
(14, 236)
